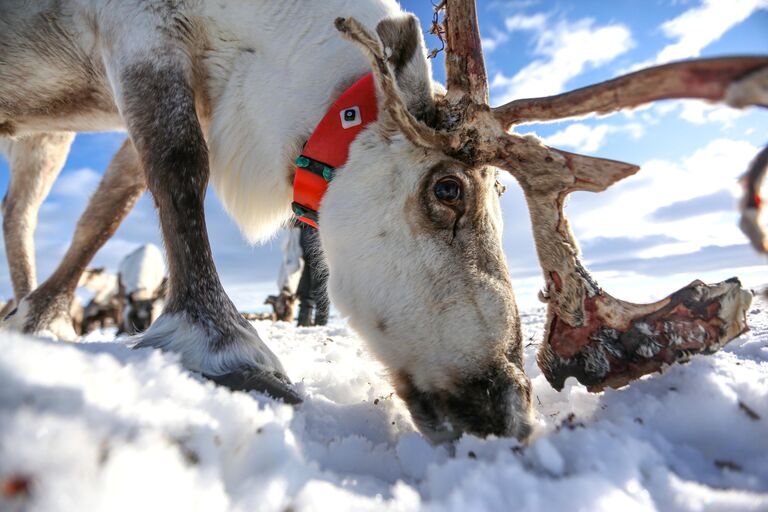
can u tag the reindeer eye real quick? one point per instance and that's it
(448, 191)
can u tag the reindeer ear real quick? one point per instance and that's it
(405, 52)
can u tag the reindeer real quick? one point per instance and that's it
(410, 223)
(105, 308)
(142, 287)
(129, 300)
(282, 305)
(251, 317)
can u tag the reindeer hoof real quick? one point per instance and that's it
(230, 352)
(47, 321)
(275, 384)
(619, 341)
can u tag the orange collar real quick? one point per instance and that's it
(328, 147)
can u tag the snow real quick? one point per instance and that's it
(97, 426)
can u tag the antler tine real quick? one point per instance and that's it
(464, 64)
(416, 131)
(709, 79)
(537, 166)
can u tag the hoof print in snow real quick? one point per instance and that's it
(273, 384)
(617, 342)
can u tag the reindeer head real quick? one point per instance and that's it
(138, 314)
(282, 305)
(413, 241)
(412, 232)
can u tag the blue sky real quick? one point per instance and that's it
(645, 237)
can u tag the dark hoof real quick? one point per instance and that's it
(274, 384)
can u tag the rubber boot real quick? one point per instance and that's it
(321, 314)
(305, 316)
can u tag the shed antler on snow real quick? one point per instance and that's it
(600, 340)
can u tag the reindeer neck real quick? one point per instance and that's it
(269, 88)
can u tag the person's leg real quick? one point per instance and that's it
(319, 276)
(305, 290)
(306, 301)
(320, 293)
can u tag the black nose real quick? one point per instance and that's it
(495, 402)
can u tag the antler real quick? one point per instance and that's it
(708, 79)
(590, 335)
(599, 339)
(464, 63)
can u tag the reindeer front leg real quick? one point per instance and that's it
(199, 321)
(47, 309)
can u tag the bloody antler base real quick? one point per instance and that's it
(618, 341)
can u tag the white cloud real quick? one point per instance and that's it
(700, 26)
(699, 112)
(518, 22)
(497, 38)
(81, 183)
(696, 112)
(522, 22)
(565, 49)
(588, 139)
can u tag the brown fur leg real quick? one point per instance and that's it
(35, 163)
(120, 188)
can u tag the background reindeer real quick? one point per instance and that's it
(288, 276)
(142, 288)
(105, 308)
(35, 161)
(282, 306)
(210, 88)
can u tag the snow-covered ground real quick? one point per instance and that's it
(95, 426)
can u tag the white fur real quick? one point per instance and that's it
(173, 332)
(298, 62)
(396, 278)
(59, 329)
(253, 143)
(104, 286)
(142, 271)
